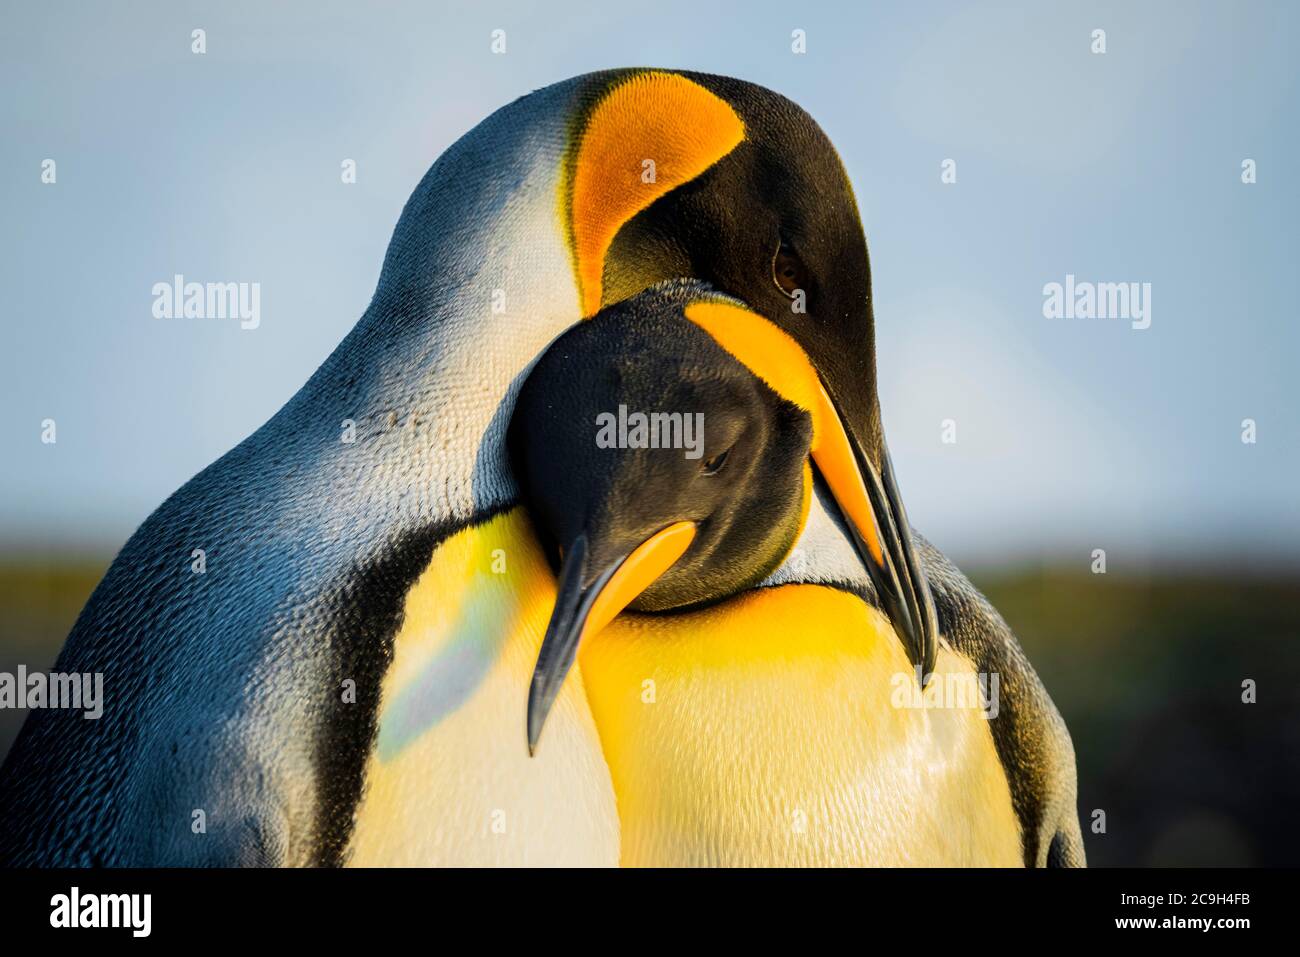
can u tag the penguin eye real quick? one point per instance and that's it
(714, 465)
(788, 270)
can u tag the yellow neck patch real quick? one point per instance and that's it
(647, 136)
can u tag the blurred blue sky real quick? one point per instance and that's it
(1072, 434)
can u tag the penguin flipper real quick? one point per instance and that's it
(1032, 741)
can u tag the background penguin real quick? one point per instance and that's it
(257, 693)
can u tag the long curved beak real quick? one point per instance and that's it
(880, 530)
(588, 599)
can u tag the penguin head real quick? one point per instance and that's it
(639, 421)
(665, 451)
(774, 222)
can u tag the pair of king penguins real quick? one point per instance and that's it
(473, 636)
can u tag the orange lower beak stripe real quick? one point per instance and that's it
(639, 570)
(835, 460)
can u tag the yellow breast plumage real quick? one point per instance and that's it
(762, 731)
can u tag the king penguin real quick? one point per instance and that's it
(340, 684)
(744, 723)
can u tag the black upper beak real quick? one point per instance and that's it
(573, 602)
(900, 581)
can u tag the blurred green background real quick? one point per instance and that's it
(1147, 673)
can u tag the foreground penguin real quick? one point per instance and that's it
(333, 687)
(742, 727)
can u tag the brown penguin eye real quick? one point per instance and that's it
(714, 465)
(788, 270)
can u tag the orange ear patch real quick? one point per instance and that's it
(775, 357)
(647, 136)
(765, 350)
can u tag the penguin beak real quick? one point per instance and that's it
(588, 599)
(870, 501)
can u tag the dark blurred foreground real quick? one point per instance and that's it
(1148, 674)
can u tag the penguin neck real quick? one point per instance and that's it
(406, 420)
